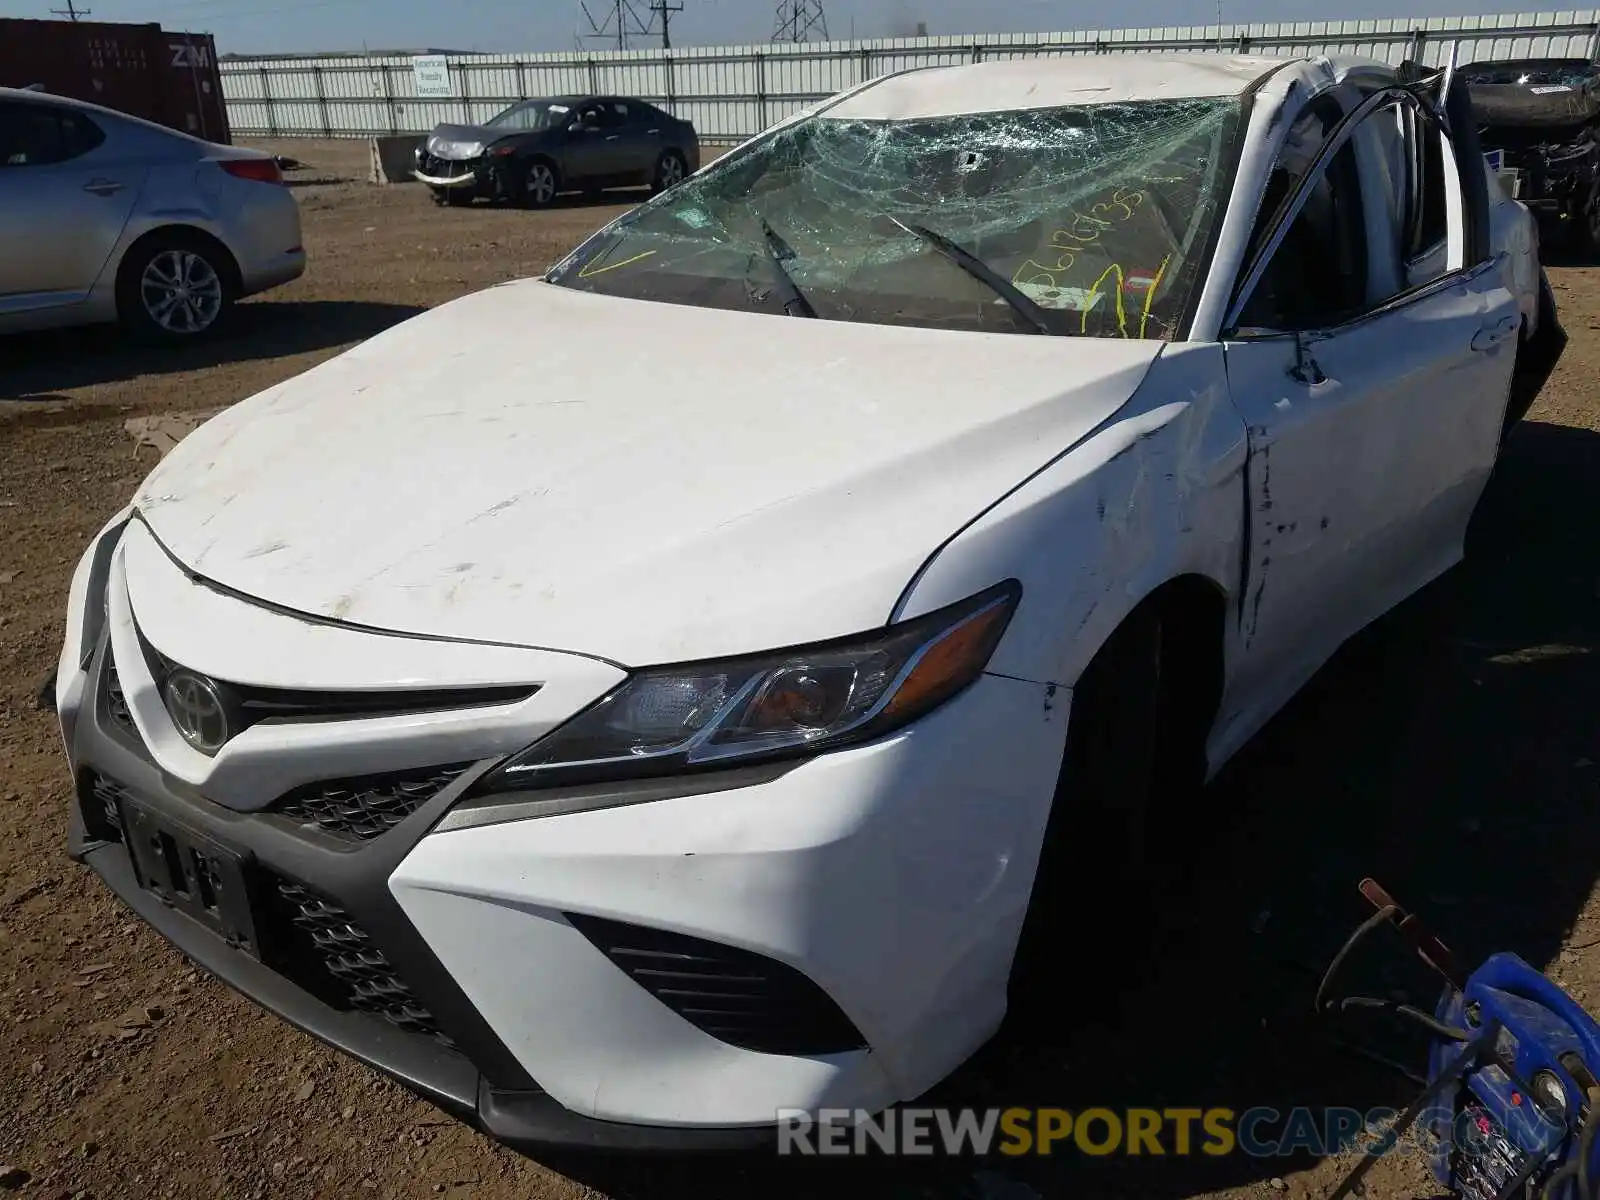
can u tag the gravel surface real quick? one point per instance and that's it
(1451, 751)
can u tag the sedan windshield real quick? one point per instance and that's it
(531, 115)
(1091, 220)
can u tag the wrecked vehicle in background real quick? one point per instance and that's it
(537, 149)
(1539, 122)
(805, 592)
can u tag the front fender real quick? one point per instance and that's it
(1154, 493)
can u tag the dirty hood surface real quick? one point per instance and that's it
(643, 482)
(1519, 106)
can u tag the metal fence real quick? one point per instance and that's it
(731, 93)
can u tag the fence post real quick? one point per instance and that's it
(322, 100)
(672, 83)
(977, 53)
(866, 64)
(594, 77)
(388, 97)
(1414, 51)
(266, 96)
(466, 96)
(761, 91)
(522, 80)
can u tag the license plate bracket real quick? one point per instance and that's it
(192, 873)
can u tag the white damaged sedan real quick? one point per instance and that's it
(625, 704)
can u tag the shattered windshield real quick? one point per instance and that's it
(1091, 220)
(530, 115)
(1560, 73)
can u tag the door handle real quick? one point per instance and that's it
(103, 187)
(613, 137)
(1491, 336)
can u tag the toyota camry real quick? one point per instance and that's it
(622, 740)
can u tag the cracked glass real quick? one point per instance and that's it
(1097, 218)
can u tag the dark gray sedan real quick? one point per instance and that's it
(537, 149)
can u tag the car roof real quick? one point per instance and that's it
(1005, 85)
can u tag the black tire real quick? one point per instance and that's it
(1585, 230)
(1133, 756)
(175, 286)
(540, 184)
(671, 169)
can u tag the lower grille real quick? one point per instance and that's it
(99, 799)
(116, 702)
(445, 168)
(736, 996)
(327, 942)
(361, 809)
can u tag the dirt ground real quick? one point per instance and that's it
(1450, 751)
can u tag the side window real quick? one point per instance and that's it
(1410, 191)
(1317, 277)
(1431, 224)
(613, 115)
(39, 135)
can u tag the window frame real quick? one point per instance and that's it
(1459, 264)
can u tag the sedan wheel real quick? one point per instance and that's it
(669, 172)
(181, 292)
(540, 187)
(175, 286)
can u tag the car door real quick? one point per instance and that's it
(641, 142)
(590, 152)
(1372, 374)
(64, 202)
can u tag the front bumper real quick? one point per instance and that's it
(870, 899)
(448, 181)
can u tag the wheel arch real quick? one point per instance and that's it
(232, 276)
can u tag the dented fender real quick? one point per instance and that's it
(1153, 493)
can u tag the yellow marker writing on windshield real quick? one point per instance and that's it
(1150, 294)
(588, 272)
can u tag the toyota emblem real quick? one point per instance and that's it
(195, 706)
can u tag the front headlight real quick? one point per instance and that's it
(792, 702)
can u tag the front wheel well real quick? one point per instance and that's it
(1193, 611)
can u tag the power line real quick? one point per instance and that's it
(71, 12)
(797, 20)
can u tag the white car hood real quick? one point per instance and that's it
(643, 482)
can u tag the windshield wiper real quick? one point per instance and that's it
(795, 303)
(1028, 309)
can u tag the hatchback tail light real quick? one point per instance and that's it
(262, 170)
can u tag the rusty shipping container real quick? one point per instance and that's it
(143, 70)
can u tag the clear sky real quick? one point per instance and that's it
(262, 26)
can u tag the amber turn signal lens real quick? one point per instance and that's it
(952, 662)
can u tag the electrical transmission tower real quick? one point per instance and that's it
(618, 21)
(798, 20)
(72, 12)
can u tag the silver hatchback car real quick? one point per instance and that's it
(105, 217)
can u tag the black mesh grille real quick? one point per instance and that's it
(360, 809)
(736, 996)
(99, 795)
(325, 940)
(116, 702)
